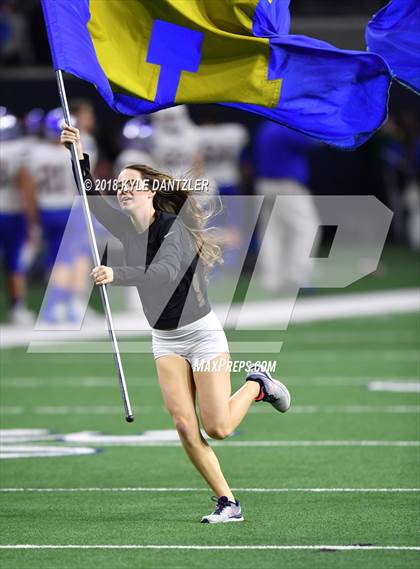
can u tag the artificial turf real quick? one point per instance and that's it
(328, 367)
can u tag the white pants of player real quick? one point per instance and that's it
(288, 234)
(412, 202)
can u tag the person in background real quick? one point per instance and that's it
(136, 148)
(84, 117)
(135, 143)
(15, 42)
(394, 168)
(18, 214)
(52, 175)
(175, 142)
(282, 168)
(33, 123)
(220, 146)
(85, 120)
(400, 146)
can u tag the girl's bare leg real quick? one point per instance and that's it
(178, 390)
(220, 411)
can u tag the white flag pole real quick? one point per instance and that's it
(94, 247)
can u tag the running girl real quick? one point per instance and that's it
(167, 253)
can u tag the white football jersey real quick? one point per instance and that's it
(50, 166)
(220, 146)
(174, 153)
(131, 156)
(174, 141)
(13, 155)
(90, 147)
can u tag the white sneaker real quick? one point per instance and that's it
(226, 511)
(271, 390)
(21, 316)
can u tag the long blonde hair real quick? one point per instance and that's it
(173, 198)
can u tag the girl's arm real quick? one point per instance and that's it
(115, 221)
(158, 273)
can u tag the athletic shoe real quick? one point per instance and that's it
(271, 390)
(226, 511)
(21, 316)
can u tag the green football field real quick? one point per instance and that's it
(340, 469)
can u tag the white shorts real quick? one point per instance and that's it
(198, 342)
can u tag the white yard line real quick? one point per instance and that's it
(331, 307)
(11, 410)
(395, 386)
(346, 381)
(345, 409)
(78, 410)
(251, 315)
(374, 337)
(253, 490)
(308, 381)
(138, 442)
(149, 409)
(237, 349)
(220, 547)
(384, 354)
(346, 443)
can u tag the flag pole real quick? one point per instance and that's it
(129, 417)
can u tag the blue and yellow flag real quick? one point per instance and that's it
(394, 33)
(145, 55)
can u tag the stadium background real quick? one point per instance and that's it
(355, 385)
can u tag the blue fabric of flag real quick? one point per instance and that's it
(394, 33)
(333, 95)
